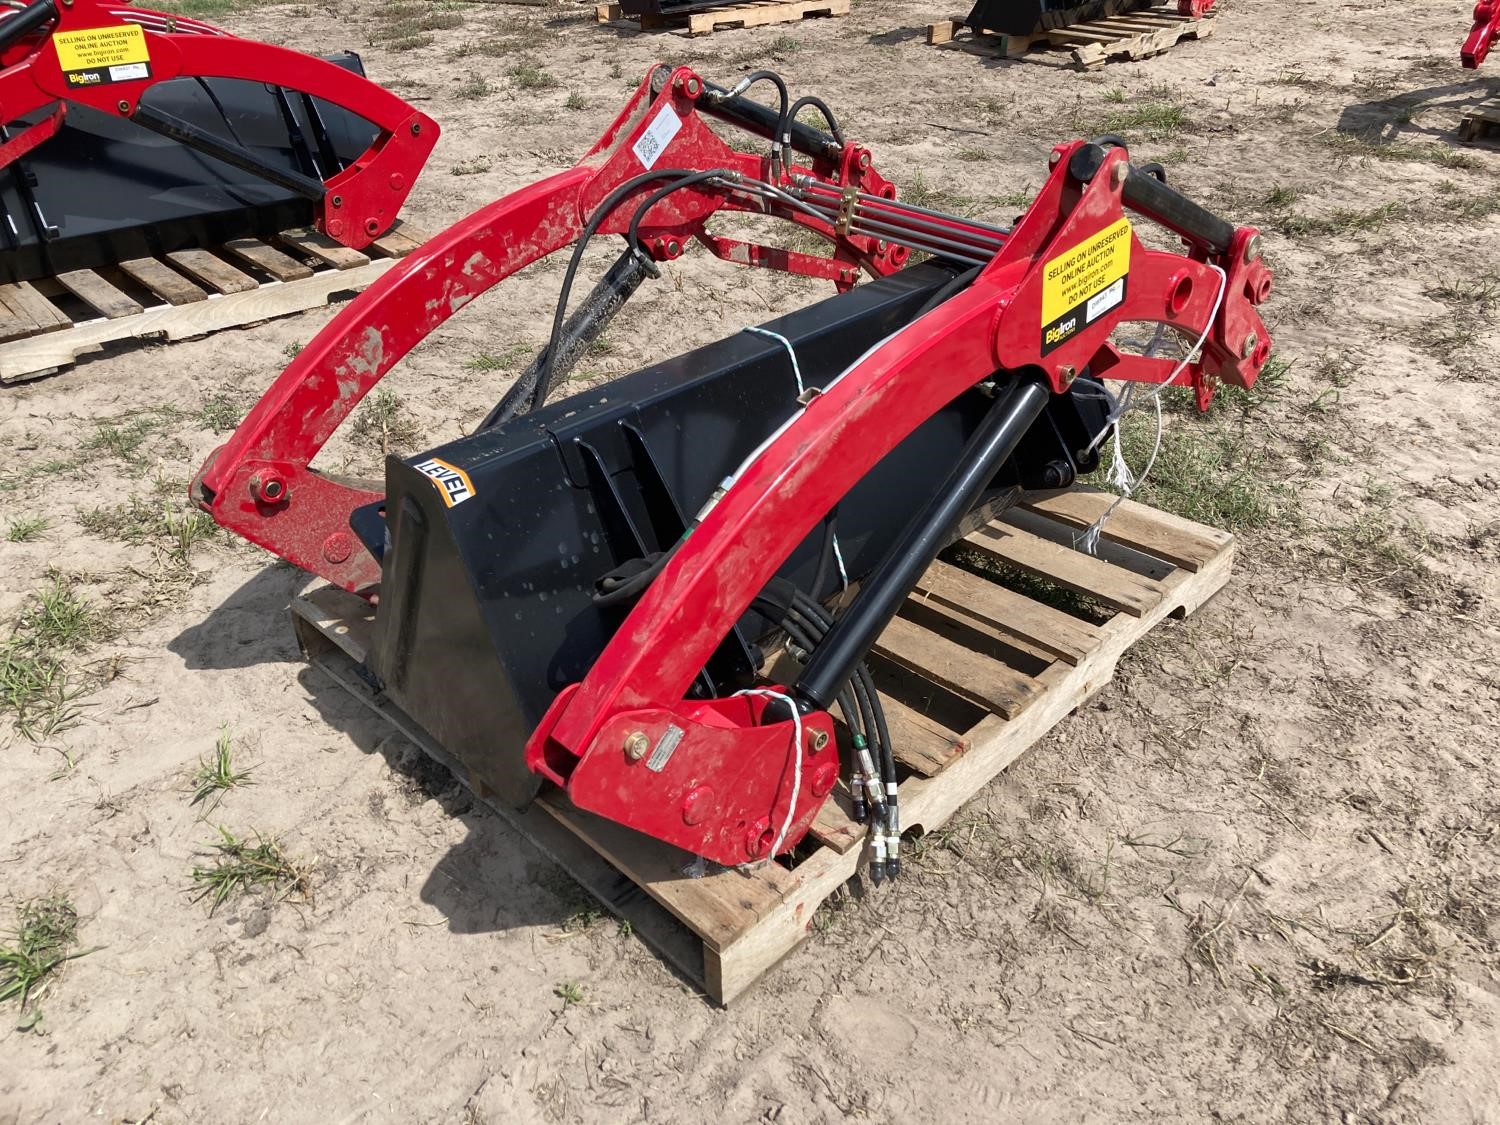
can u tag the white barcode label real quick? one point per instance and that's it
(657, 136)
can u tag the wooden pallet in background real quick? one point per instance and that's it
(757, 13)
(1480, 121)
(972, 674)
(48, 324)
(1086, 46)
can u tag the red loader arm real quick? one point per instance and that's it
(87, 52)
(1486, 27)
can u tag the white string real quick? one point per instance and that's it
(1119, 474)
(791, 351)
(791, 808)
(838, 552)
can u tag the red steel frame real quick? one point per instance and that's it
(1486, 29)
(729, 789)
(361, 202)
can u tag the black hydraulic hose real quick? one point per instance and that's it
(15, 28)
(822, 107)
(602, 212)
(634, 237)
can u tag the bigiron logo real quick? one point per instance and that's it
(1060, 332)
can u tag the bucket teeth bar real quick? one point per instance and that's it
(679, 518)
(88, 56)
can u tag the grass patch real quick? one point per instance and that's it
(571, 992)
(241, 867)
(478, 166)
(209, 9)
(1366, 146)
(576, 101)
(1212, 468)
(123, 436)
(1342, 220)
(167, 524)
(37, 691)
(27, 529)
(43, 940)
(529, 76)
(384, 418)
(220, 413)
(474, 87)
(216, 776)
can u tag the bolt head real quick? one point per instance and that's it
(637, 742)
(123, 106)
(816, 740)
(1121, 173)
(1067, 374)
(1248, 348)
(697, 805)
(1252, 249)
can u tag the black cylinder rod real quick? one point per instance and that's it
(881, 594)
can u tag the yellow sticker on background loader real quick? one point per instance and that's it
(98, 56)
(1082, 284)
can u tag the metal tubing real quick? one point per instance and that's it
(845, 644)
(808, 184)
(982, 241)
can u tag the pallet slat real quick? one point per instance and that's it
(756, 14)
(212, 271)
(317, 245)
(741, 922)
(1073, 570)
(99, 294)
(280, 266)
(969, 675)
(1052, 630)
(164, 281)
(1178, 541)
(26, 303)
(37, 337)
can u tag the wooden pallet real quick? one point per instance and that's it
(1085, 46)
(1480, 121)
(972, 674)
(48, 324)
(756, 14)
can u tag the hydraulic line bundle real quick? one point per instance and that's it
(588, 593)
(128, 133)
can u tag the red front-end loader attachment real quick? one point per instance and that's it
(585, 593)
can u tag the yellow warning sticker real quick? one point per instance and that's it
(98, 56)
(452, 482)
(1081, 285)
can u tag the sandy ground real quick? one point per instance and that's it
(1257, 879)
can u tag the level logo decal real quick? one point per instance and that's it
(99, 56)
(1081, 285)
(452, 482)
